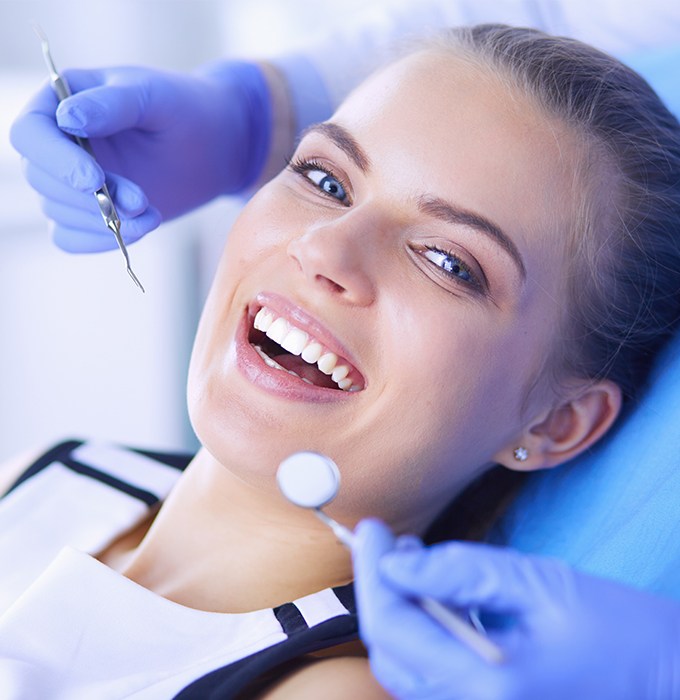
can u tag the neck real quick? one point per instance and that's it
(222, 545)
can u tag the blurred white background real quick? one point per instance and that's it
(82, 352)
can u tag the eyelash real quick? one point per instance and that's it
(303, 167)
(459, 263)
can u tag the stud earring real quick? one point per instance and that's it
(521, 454)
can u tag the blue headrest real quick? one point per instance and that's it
(615, 511)
(661, 68)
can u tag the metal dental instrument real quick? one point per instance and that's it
(102, 195)
(312, 480)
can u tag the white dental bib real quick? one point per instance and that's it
(72, 628)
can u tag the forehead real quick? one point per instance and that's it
(435, 122)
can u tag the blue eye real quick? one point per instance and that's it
(321, 177)
(451, 264)
(327, 183)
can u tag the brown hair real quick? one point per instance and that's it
(625, 276)
(624, 280)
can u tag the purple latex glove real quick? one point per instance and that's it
(575, 636)
(165, 142)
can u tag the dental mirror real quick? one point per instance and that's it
(312, 480)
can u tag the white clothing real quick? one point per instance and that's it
(71, 628)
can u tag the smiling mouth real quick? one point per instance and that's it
(283, 346)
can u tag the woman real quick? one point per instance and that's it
(470, 264)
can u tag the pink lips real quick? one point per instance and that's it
(277, 381)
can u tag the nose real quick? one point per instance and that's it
(338, 257)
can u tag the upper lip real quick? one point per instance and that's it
(304, 321)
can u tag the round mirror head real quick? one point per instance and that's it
(308, 479)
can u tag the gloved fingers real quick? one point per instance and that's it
(103, 111)
(36, 136)
(80, 79)
(53, 190)
(407, 542)
(405, 683)
(79, 227)
(75, 241)
(468, 575)
(125, 98)
(372, 539)
(128, 198)
(69, 217)
(98, 239)
(132, 228)
(412, 638)
(445, 677)
(388, 620)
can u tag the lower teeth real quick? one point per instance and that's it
(268, 360)
(275, 365)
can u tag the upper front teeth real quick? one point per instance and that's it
(294, 341)
(297, 342)
(277, 330)
(327, 362)
(312, 352)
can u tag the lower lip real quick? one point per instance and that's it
(277, 381)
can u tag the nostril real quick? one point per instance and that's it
(332, 266)
(333, 286)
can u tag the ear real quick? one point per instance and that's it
(567, 429)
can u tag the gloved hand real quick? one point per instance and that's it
(167, 142)
(575, 636)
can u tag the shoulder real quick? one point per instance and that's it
(11, 469)
(333, 678)
(140, 473)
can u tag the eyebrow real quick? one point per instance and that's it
(433, 206)
(343, 140)
(440, 209)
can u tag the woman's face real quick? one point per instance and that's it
(419, 237)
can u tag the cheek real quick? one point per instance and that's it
(465, 373)
(264, 225)
(252, 240)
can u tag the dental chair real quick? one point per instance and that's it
(615, 511)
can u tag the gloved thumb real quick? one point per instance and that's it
(372, 539)
(101, 111)
(472, 575)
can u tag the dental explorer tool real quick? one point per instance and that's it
(102, 195)
(312, 480)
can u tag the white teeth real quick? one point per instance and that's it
(275, 365)
(327, 362)
(339, 373)
(278, 330)
(312, 352)
(263, 319)
(295, 341)
(267, 360)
